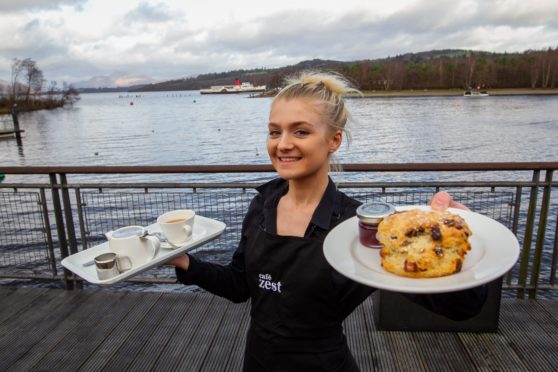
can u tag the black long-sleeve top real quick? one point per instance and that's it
(229, 281)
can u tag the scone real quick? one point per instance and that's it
(423, 244)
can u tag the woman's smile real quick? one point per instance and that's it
(290, 159)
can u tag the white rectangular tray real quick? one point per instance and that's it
(205, 230)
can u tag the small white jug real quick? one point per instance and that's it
(132, 244)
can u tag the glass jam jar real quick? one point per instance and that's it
(369, 217)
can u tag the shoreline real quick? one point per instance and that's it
(459, 92)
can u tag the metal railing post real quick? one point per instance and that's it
(526, 248)
(554, 255)
(50, 245)
(70, 228)
(80, 205)
(539, 245)
(515, 222)
(60, 227)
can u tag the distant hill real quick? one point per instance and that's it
(269, 77)
(274, 77)
(118, 81)
(435, 69)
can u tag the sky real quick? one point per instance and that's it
(76, 40)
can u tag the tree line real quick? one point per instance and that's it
(27, 89)
(442, 69)
(458, 70)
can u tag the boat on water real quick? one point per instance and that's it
(236, 88)
(477, 92)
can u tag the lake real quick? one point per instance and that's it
(171, 128)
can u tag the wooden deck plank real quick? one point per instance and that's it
(63, 321)
(174, 352)
(545, 319)
(436, 356)
(533, 345)
(381, 355)
(551, 307)
(84, 331)
(355, 331)
(491, 352)
(201, 342)
(15, 300)
(162, 334)
(22, 345)
(26, 316)
(236, 357)
(233, 322)
(450, 346)
(102, 330)
(122, 331)
(142, 332)
(407, 356)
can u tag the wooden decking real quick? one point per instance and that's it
(57, 330)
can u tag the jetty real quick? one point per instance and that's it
(151, 323)
(10, 132)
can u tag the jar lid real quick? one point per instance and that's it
(374, 212)
(128, 231)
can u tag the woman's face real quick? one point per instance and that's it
(299, 141)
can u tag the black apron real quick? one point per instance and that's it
(295, 314)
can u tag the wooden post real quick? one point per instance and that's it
(14, 118)
(16, 124)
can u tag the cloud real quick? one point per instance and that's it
(9, 6)
(170, 39)
(145, 12)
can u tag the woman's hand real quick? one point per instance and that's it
(182, 262)
(442, 200)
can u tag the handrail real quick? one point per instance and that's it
(533, 210)
(254, 168)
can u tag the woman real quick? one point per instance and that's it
(298, 302)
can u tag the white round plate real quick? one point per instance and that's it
(494, 251)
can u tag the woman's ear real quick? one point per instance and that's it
(336, 141)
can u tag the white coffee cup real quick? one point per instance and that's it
(132, 245)
(178, 225)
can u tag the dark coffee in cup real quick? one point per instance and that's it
(176, 220)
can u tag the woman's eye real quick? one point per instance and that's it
(274, 133)
(302, 132)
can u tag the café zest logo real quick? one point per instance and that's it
(267, 283)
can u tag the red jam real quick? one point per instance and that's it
(367, 235)
(370, 215)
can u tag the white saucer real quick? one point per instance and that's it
(198, 232)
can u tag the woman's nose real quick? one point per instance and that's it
(285, 142)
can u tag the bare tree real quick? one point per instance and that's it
(52, 87)
(26, 73)
(70, 95)
(33, 77)
(17, 69)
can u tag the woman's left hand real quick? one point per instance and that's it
(442, 200)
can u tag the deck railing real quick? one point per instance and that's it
(49, 213)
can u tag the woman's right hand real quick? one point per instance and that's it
(182, 262)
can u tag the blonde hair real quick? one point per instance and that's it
(326, 89)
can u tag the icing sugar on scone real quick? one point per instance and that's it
(423, 244)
